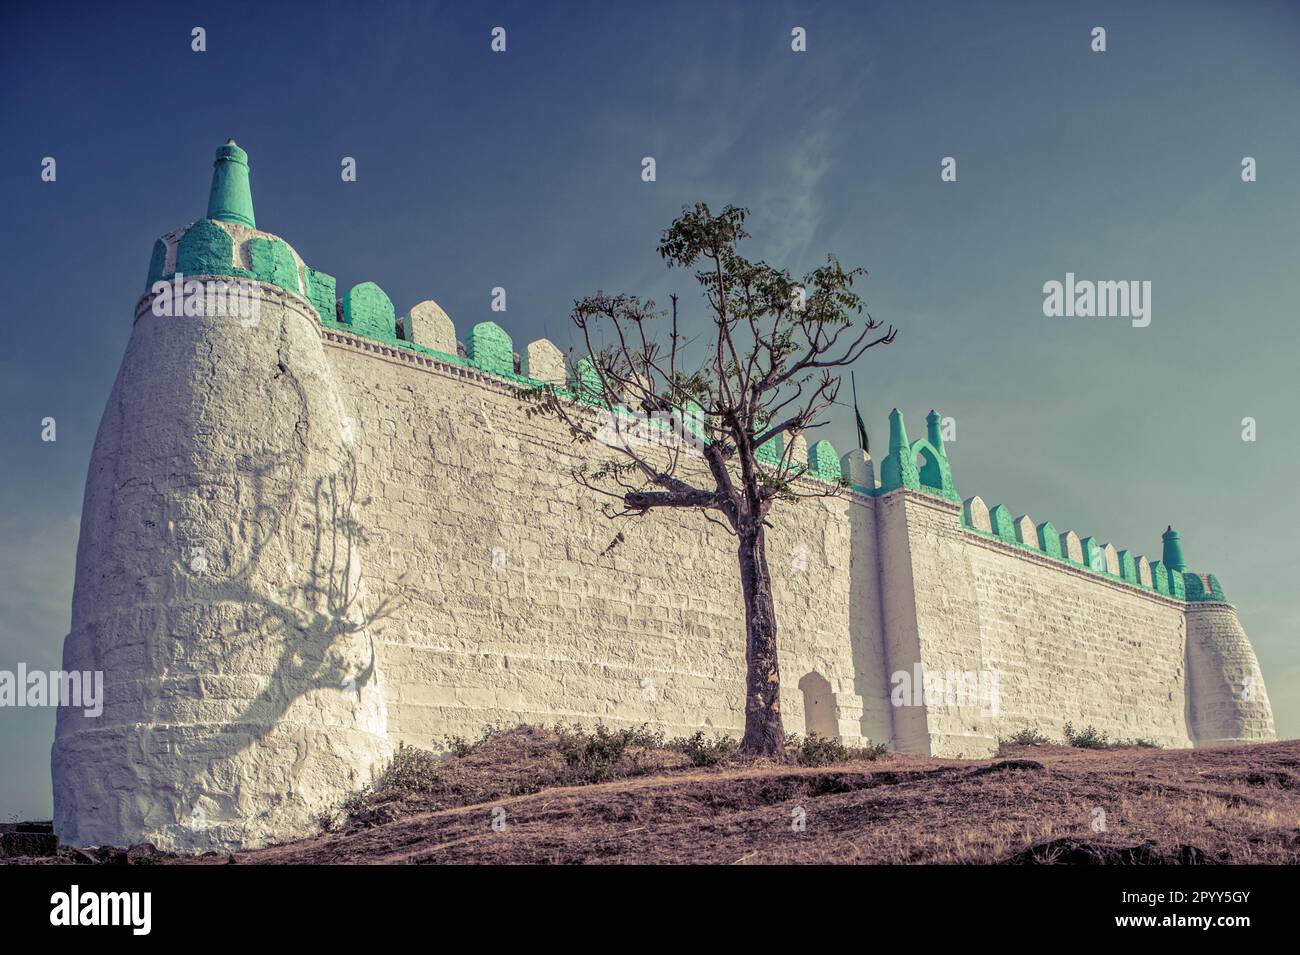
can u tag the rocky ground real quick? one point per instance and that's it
(530, 795)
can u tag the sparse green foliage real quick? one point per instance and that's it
(516, 761)
(1087, 738)
(1090, 738)
(814, 750)
(601, 754)
(1029, 737)
(703, 751)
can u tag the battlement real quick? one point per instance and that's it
(1118, 566)
(217, 247)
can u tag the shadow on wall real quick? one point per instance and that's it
(312, 622)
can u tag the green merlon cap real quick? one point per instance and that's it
(1173, 556)
(231, 198)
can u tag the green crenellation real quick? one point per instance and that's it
(584, 381)
(1049, 539)
(322, 291)
(1128, 567)
(367, 310)
(205, 249)
(770, 451)
(157, 264)
(1093, 558)
(489, 347)
(1160, 577)
(824, 462)
(273, 262)
(1000, 520)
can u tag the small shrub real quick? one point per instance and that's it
(412, 770)
(814, 750)
(601, 754)
(1086, 738)
(1027, 737)
(702, 751)
(460, 747)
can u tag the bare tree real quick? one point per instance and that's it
(708, 423)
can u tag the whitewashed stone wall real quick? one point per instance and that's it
(507, 608)
(393, 551)
(1064, 645)
(221, 588)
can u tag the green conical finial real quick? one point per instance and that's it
(897, 432)
(231, 198)
(1173, 556)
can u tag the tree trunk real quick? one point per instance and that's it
(764, 735)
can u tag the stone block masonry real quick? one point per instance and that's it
(309, 540)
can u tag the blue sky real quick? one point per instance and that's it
(522, 170)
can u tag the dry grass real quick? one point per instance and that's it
(1237, 805)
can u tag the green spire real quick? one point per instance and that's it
(231, 198)
(897, 432)
(899, 467)
(934, 430)
(1173, 556)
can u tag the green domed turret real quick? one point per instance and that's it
(231, 198)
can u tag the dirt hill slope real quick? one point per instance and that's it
(1038, 804)
(512, 799)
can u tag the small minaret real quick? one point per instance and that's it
(231, 198)
(897, 432)
(934, 431)
(1173, 555)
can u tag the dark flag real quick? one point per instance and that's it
(863, 443)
